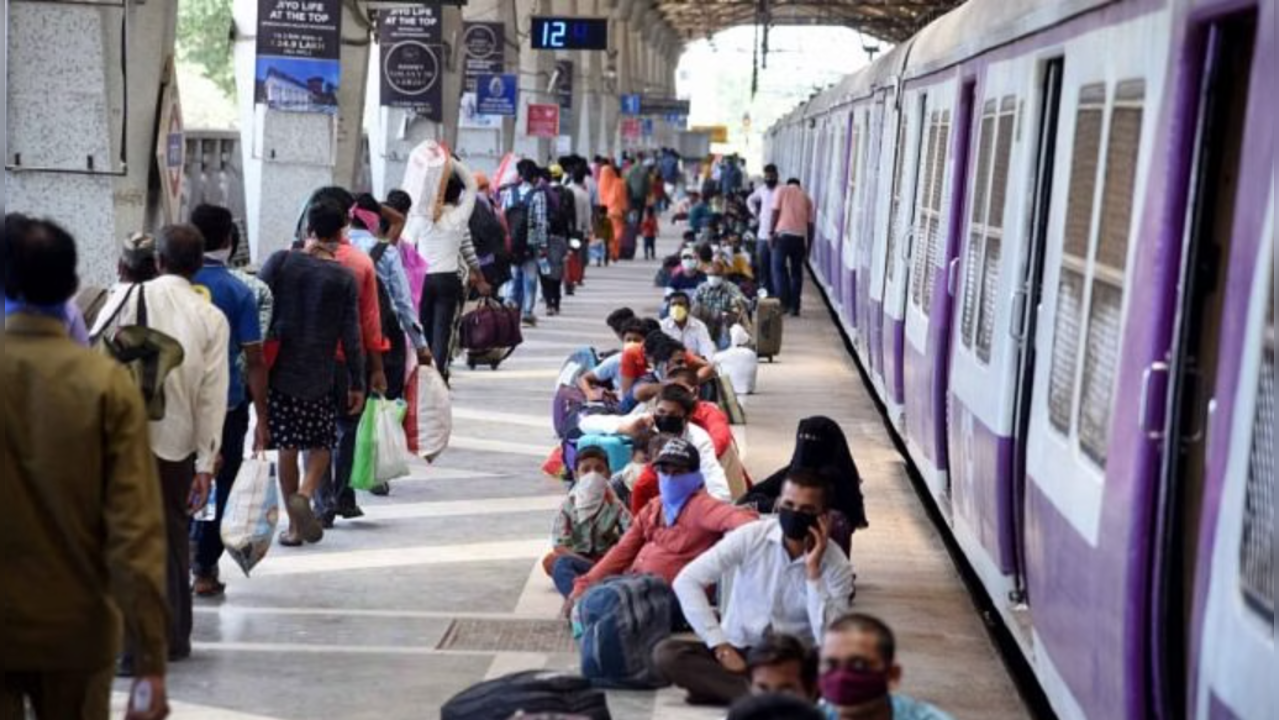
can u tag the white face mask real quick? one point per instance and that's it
(689, 265)
(714, 280)
(221, 256)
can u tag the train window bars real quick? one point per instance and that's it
(1256, 544)
(934, 165)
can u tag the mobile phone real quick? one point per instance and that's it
(141, 700)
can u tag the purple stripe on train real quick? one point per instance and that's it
(981, 478)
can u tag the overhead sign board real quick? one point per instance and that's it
(170, 149)
(496, 94)
(564, 83)
(630, 104)
(484, 44)
(569, 33)
(411, 67)
(717, 133)
(662, 106)
(297, 65)
(543, 120)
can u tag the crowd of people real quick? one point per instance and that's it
(202, 362)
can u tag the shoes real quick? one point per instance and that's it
(349, 510)
(309, 527)
(529, 321)
(327, 518)
(288, 539)
(207, 586)
(382, 489)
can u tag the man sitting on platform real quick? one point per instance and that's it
(858, 673)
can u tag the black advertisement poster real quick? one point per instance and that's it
(564, 83)
(484, 44)
(297, 64)
(412, 59)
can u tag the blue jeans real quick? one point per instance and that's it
(788, 270)
(522, 289)
(566, 570)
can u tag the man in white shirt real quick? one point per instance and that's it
(760, 204)
(784, 576)
(187, 440)
(682, 326)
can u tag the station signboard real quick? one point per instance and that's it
(496, 94)
(412, 68)
(297, 66)
(484, 44)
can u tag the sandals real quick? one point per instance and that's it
(308, 525)
(288, 539)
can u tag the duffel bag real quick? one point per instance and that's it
(527, 693)
(622, 620)
(491, 325)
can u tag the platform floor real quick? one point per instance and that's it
(439, 586)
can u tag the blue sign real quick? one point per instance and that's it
(677, 121)
(646, 126)
(631, 104)
(495, 94)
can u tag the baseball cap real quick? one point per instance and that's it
(678, 451)
(137, 249)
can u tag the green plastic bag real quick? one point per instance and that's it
(363, 464)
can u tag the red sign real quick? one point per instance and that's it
(631, 128)
(543, 121)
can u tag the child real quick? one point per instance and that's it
(624, 479)
(603, 237)
(590, 522)
(648, 229)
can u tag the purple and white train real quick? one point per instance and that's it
(1048, 227)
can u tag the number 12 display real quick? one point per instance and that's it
(569, 33)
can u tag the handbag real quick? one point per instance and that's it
(491, 325)
(148, 354)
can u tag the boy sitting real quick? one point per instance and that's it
(590, 522)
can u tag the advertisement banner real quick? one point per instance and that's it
(297, 66)
(468, 115)
(484, 51)
(412, 68)
(543, 121)
(631, 128)
(496, 94)
(564, 84)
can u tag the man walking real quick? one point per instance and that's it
(791, 228)
(239, 305)
(83, 535)
(526, 218)
(760, 203)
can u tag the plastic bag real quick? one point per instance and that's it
(251, 514)
(362, 465)
(434, 413)
(391, 460)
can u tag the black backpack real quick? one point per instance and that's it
(529, 692)
(393, 360)
(560, 211)
(517, 221)
(489, 238)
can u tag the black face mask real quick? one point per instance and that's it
(795, 524)
(669, 424)
(770, 182)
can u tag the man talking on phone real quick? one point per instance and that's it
(787, 577)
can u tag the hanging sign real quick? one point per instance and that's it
(411, 66)
(564, 83)
(662, 106)
(631, 128)
(543, 121)
(496, 94)
(468, 115)
(646, 126)
(170, 147)
(630, 104)
(484, 46)
(297, 65)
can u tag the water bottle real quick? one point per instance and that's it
(209, 512)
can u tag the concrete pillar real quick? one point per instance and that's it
(483, 148)
(569, 125)
(68, 127)
(394, 132)
(586, 107)
(536, 67)
(287, 155)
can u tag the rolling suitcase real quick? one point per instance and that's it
(768, 328)
(629, 237)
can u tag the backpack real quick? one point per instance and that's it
(623, 619)
(394, 362)
(149, 355)
(527, 693)
(517, 221)
(560, 211)
(487, 233)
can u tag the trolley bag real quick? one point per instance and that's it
(622, 620)
(490, 326)
(617, 447)
(768, 328)
(630, 234)
(527, 693)
(251, 513)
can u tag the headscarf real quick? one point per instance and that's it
(588, 493)
(820, 446)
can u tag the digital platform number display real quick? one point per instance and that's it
(570, 33)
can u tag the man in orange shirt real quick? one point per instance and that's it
(337, 498)
(792, 234)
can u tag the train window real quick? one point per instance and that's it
(1256, 545)
(930, 212)
(920, 253)
(851, 193)
(899, 167)
(995, 227)
(978, 216)
(1105, 309)
(1085, 152)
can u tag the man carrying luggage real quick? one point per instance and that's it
(526, 217)
(792, 234)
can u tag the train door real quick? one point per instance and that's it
(848, 246)
(1214, 193)
(877, 208)
(865, 241)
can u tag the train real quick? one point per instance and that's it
(1047, 229)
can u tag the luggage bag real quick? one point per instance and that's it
(768, 328)
(623, 619)
(527, 693)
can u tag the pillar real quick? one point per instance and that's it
(586, 106)
(569, 125)
(73, 152)
(287, 155)
(483, 148)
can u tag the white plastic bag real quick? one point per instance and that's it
(425, 177)
(391, 460)
(739, 362)
(251, 514)
(434, 413)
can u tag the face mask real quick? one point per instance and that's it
(771, 183)
(675, 491)
(588, 495)
(679, 312)
(795, 524)
(219, 255)
(689, 265)
(714, 280)
(669, 424)
(844, 687)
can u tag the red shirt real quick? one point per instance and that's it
(648, 228)
(361, 266)
(709, 417)
(651, 546)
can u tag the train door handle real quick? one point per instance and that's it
(1017, 328)
(952, 276)
(1159, 367)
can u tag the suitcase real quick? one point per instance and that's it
(493, 357)
(768, 328)
(629, 238)
(618, 447)
(527, 693)
(490, 326)
(622, 620)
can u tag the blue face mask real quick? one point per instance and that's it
(676, 490)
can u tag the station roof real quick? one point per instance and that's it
(889, 20)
